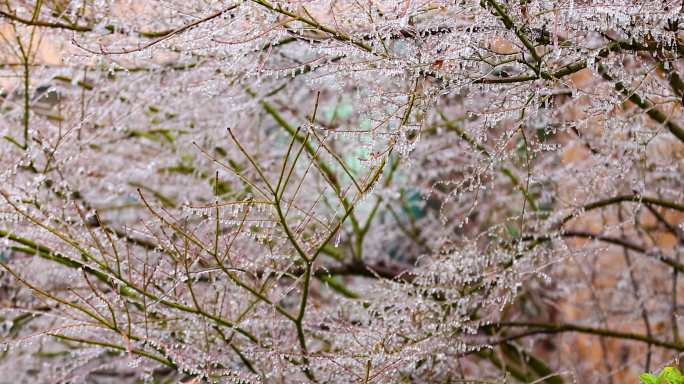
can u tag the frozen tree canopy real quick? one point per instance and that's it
(340, 191)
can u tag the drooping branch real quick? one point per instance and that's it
(538, 328)
(162, 37)
(611, 240)
(620, 199)
(45, 24)
(652, 112)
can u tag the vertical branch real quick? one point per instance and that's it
(26, 61)
(637, 294)
(675, 273)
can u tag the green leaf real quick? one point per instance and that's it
(648, 378)
(220, 151)
(222, 188)
(512, 230)
(671, 375)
